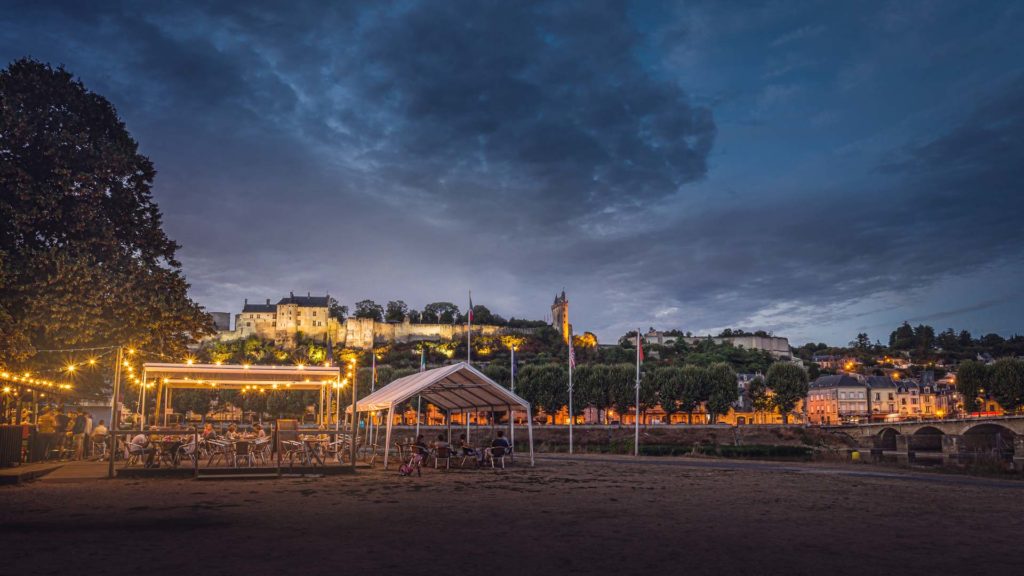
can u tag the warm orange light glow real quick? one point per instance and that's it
(189, 361)
(92, 361)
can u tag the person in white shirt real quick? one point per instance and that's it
(141, 442)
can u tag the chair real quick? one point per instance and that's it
(443, 453)
(219, 449)
(467, 456)
(262, 450)
(497, 453)
(133, 454)
(99, 446)
(188, 451)
(293, 449)
(243, 451)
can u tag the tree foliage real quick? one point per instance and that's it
(369, 309)
(971, 379)
(1006, 383)
(84, 260)
(789, 385)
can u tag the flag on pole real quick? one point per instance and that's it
(639, 346)
(330, 351)
(513, 363)
(423, 359)
(470, 307)
(572, 354)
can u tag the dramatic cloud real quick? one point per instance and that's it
(694, 167)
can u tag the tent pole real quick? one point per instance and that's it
(529, 430)
(142, 395)
(355, 421)
(387, 437)
(448, 419)
(418, 408)
(466, 413)
(159, 396)
(511, 433)
(142, 400)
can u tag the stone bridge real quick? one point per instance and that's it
(951, 441)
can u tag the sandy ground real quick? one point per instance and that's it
(580, 516)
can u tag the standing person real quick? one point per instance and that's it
(46, 432)
(88, 433)
(78, 435)
(61, 431)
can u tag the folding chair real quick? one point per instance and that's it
(243, 451)
(443, 453)
(497, 453)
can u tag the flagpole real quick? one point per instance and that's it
(570, 393)
(636, 422)
(512, 387)
(469, 331)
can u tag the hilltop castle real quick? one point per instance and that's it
(560, 316)
(309, 316)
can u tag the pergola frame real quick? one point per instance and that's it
(170, 376)
(454, 389)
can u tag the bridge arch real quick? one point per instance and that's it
(927, 438)
(886, 439)
(989, 438)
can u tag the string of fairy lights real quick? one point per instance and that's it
(80, 360)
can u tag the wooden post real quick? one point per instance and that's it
(114, 413)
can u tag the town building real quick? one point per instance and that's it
(777, 346)
(882, 400)
(837, 399)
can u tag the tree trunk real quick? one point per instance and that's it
(785, 418)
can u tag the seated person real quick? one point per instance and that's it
(420, 445)
(440, 442)
(141, 443)
(99, 430)
(501, 441)
(467, 450)
(208, 432)
(258, 431)
(233, 432)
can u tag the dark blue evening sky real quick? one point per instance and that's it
(813, 168)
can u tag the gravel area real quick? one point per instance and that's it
(565, 516)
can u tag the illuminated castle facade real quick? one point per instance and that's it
(560, 316)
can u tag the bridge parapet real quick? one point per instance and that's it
(957, 426)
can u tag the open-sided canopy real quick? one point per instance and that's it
(454, 388)
(236, 376)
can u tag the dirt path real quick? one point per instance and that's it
(565, 516)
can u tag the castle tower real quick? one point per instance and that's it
(560, 316)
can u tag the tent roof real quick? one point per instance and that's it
(242, 375)
(456, 387)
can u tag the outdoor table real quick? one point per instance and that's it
(169, 451)
(313, 446)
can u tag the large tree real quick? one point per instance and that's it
(369, 309)
(1007, 383)
(440, 313)
(971, 379)
(723, 390)
(84, 260)
(396, 311)
(788, 383)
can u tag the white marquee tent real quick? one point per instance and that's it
(454, 389)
